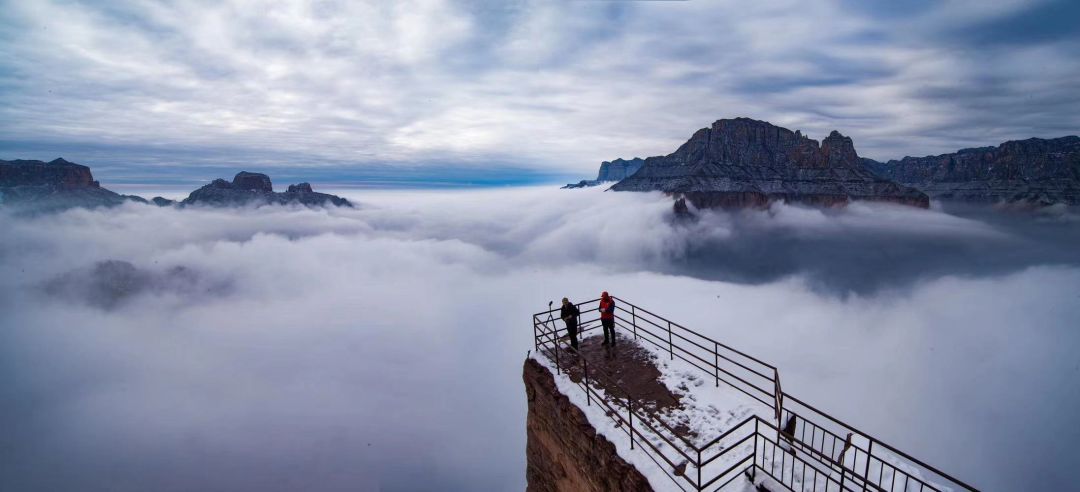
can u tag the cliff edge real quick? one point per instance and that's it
(564, 452)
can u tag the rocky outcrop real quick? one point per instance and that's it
(256, 189)
(300, 188)
(619, 169)
(256, 182)
(615, 170)
(743, 162)
(58, 173)
(564, 451)
(1033, 171)
(38, 186)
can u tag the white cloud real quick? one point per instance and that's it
(403, 324)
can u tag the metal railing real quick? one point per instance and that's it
(805, 448)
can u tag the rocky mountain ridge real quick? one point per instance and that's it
(1035, 171)
(54, 185)
(248, 188)
(744, 162)
(33, 186)
(615, 170)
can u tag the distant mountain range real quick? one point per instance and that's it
(611, 171)
(744, 162)
(1034, 171)
(37, 186)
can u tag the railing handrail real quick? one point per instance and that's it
(779, 397)
(755, 359)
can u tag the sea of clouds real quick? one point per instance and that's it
(280, 348)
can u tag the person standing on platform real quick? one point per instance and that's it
(607, 318)
(569, 314)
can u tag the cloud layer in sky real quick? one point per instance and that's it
(381, 347)
(534, 89)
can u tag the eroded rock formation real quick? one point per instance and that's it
(743, 162)
(56, 185)
(256, 189)
(615, 170)
(1034, 171)
(564, 451)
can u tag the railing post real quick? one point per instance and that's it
(843, 467)
(588, 396)
(630, 424)
(633, 320)
(698, 465)
(536, 343)
(670, 350)
(778, 398)
(757, 433)
(866, 469)
(716, 361)
(753, 469)
(555, 342)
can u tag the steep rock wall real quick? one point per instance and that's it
(1037, 171)
(564, 451)
(745, 163)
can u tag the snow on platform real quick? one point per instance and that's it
(685, 409)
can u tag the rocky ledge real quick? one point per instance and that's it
(256, 189)
(743, 162)
(1035, 171)
(55, 185)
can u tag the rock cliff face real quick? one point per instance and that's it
(56, 185)
(743, 162)
(619, 169)
(564, 452)
(255, 188)
(58, 173)
(1035, 171)
(615, 170)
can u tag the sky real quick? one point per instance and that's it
(511, 92)
(381, 347)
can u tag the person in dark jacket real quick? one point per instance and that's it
(607, 318)
(569, 314)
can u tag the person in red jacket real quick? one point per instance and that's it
(607, 318)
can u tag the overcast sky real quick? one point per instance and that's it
(523, 91)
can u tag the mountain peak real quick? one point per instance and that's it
(742, 161)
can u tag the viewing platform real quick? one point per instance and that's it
(691, 413)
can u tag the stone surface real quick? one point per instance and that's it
(252, 182)
(1033, 171)
(743, 162)
(619, 169)
(615, 170)
(300, 188)
(37, 186)
(255, 189)
(564, 452)
(58, 173)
